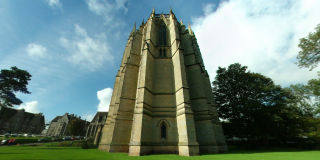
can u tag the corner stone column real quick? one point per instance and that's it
(141, 127)
(187, 141)
(188, 145)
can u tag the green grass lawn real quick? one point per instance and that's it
(76, 153)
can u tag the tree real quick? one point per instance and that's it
(253, 106)
(307, 96)
(303, 98)
(309, 56)
(239, 92)
(12, 81)
(314, 88)
(307, 101)
(76, 127)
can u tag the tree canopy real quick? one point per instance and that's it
(76, 127)
(12, 81)
(308, 96)
(309, 56)
(239, 92)
(254, 107)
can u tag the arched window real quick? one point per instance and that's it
(163, 131)
(162, 35)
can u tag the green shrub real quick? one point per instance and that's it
(88, 144)
(24, 141)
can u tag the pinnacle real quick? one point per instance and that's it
(189, 29)
(181, 22)
(134, 28)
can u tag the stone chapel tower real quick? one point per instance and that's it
(162, 100)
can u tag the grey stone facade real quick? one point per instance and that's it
(58, 125)
(162, 99)
(19, 121)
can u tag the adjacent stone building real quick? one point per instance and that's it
(162, 100)
(95, 127)
(20, 121)
(59, 124)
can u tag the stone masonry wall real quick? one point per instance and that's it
(19, 121)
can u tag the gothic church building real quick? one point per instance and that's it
(162, 100)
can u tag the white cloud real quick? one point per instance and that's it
(85, 51)
(207, 9)
(54, 3)
(107, 9)
(104, 97)
(30, 107)
(121, 4)
(262, 35)
(88, 116)
(36, 50)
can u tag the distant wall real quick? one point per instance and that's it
(19, 121)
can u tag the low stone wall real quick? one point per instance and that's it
(19, 121)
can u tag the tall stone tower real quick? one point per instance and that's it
(162, 99)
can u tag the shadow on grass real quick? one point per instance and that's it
(264, 150)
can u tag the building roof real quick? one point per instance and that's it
(56, 119)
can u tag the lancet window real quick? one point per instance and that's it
(162, 35)
(163, 131)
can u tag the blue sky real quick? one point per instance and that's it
(73, 48)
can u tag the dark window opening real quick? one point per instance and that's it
(100, 119)
(162, 52)
(163, 131)
(162, 35)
